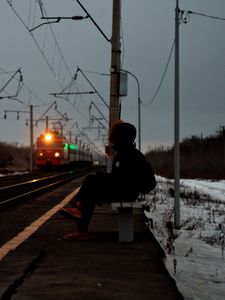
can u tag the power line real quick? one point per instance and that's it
(81, 71)
(205, 15)
(167, 64)
(38, 46)
(25, 86)
(93, 21)
(35, 41)
(95, 72)
(56, 42)
(123, 42)
(163, 76)
(10, 79)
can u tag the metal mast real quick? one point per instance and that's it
(177, 124)
(114, 110)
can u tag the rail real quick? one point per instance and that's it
(20, 191)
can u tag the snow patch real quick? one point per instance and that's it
(195, 252)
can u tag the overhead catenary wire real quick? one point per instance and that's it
(56, 42)
(43, 11)
(170, 55)
(38, 46)
(41, 7)
(32, 93)
(163, 76)
(35, 41)
(65, 95)
(42, 52)
(10, 79)
(103, 100)
(93, 21)
(79, 94)
(31, 18)
(22, 87)
(78, 109)
(25, 86)
(95, 72)
(123, 43)
(29, 14)
(205, 15)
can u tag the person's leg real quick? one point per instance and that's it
(89, 188)
(83, 201)
(92, 191)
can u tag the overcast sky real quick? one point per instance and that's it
(147, 38)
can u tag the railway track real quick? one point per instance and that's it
(16, 192)
(25, 176)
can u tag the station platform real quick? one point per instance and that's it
(45, 266)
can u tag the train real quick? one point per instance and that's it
(52, 149)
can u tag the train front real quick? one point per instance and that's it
(49, 149)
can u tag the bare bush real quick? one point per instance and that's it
(13, 156)
(199, 158)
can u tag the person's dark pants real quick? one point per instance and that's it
(97, 189)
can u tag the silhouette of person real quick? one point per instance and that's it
(124, 183)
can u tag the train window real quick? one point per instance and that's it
(70, 146)
(57, 144)
(42, 144)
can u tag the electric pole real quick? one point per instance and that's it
(114, 105)
(31, 130)
(223, 133)
(177, 124)
(114, 109)
(31, 138)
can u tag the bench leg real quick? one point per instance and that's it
(126, 226)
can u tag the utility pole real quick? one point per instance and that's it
(177, 124)
(223, 133)
(114, 106)
(114, 109)
(31, 138)
(46, 123)
(31, 130)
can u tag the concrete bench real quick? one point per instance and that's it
(125, 219)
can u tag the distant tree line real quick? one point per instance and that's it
(13, 157)
(199, 158)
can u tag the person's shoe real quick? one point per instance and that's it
(71, 212)
(77, 235)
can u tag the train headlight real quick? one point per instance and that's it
(48, 137)
(57, 154)
(41, 154)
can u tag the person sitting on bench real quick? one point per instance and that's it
(131, 175)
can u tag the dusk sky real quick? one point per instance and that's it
(147, 37)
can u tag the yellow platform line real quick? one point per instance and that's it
(29, 230)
